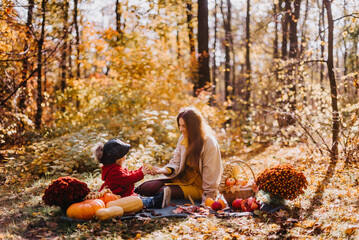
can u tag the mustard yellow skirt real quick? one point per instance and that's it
(188, 190)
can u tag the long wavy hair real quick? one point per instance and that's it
(197, 130)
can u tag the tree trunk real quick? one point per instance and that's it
(230, 37)
(120, 27)
(285, 25)
(293, 54)
(78, 72)
(275, 42)
(118, 17)
(248, 62)
(63, 65)
(178, 44)
(227, 66)
(333, 84)
(214, 66)
(69, 69)
(322, 38)
(191, 42)
(203, 54)
(276, 8)
(304, 32)
(39, 99)
(190, 28)
(345, 57)
(178, 40)
(25, 62)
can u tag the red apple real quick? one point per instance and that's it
(241, 182)
(230, 181)
(251, 200)
(254, 206)
(245, 206)
(216, 206)
(236, 204)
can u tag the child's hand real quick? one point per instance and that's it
(145, 169)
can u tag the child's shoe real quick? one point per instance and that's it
(162, 199)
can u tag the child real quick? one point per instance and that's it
(121, 181)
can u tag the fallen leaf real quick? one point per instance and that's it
(292, 220)
(257, 212)
(281, 213)
(178, 210)
(308, 224)
(51, 224)
(350, 230)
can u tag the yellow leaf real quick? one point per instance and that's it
(281, 213)
(308, 224)
(351, 229)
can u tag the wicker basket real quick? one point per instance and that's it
(243, 193)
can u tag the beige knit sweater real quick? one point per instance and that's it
(210, 166)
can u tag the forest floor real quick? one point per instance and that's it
(329, 208)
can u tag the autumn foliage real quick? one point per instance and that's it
(65, 191)
(282, 181)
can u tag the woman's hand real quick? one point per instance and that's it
(156, 170)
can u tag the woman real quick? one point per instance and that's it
(196, 168)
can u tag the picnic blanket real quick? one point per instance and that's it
(180, 208)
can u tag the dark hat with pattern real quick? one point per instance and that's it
(114, 149)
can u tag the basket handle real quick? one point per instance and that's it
(241, 161)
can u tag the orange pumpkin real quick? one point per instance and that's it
(85, 210)
(108, 197)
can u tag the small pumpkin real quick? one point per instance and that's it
(105, 195)
(108, 197)
(85, 210)
(110, 212)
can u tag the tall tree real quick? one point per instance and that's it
(69, 59)
(248, 60)
(276, 11)
(40, 44)
(178, 40)
(214, 65)
(285, 26)
(189, 14)
(192, 49)
(233, 69)
(293, 54)
(333, 84)
(25, 63)
(276, 8)
(227, 64)
(64, 49)
(203, 54)
(118, 16)
(78, 72)
(303, 27)
(120, 22)
(293, 38)
(322, 44)
(345, 57)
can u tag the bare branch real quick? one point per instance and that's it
(32, 73)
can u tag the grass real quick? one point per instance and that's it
(327, 210)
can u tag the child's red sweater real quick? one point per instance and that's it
(119, 180)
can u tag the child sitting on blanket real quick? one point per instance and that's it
(121, 181)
